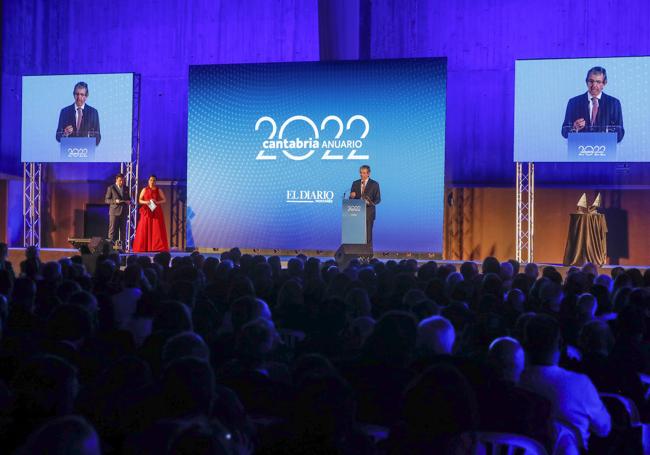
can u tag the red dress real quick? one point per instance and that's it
(151, 234)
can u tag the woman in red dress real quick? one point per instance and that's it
(151, 234)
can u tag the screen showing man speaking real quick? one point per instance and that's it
(274, 148)
(582, 110)
(77, 118)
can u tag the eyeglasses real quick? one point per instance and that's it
(594, 82)
(80, 94)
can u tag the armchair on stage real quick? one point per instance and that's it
(587, 238)
(353, 232)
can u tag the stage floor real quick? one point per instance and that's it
(16, 255)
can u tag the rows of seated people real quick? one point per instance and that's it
(236, 354)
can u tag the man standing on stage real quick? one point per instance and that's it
(119, 198)
(367, 189)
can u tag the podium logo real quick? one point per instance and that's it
(592, 150)
(334, 147)
(354, 208)
(77, 153)
(310, 197)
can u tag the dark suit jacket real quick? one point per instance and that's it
(609, 115)
(507, 408)
(89, 123)
(113, 193)
(371, 192)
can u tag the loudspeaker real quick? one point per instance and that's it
(100, 245)
(95, 220)
(90, 249)
(349, 251)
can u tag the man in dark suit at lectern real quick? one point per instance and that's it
(118, 198)
(367, 189)
(79, 119)
(594, 111)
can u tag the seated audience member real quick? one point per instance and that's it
(596, 343)
(507, 273)
(62, 436)
(550, 297)
(200, 436)
(606, 281)
(260, 383)
(5, 264)
(185, 344)
(44, 387)
(381, 372)
(531, 271)
(438, 406)
(323, 421)
(188, 389)
(435, 341)
(604, 308)
(68, 328)
(6, 283)
(630, 351)
(469, 270)
(573, 397)
(21, 320)
(31, 266)
(125, 302)
(503, 405)
(171, 318)
(309, 365)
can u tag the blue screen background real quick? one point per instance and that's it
(45, 96)
(236, 200)
(543, 88)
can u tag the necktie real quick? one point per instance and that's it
(363, 187)
(80, 114)
(594, 110)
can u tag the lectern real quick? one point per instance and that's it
(77, 149)
(353, 232)
(353, 221)
(592, 146)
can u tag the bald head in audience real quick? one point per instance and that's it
(436, 334)
(506, 357)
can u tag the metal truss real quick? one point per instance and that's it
(178, 209)
(525, 216)
(131, 169)
(467, 245)
(32, 184)
(32, 181)
(459, 217)
(453, 224)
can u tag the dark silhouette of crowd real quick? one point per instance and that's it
(238, 354)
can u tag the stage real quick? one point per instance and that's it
(16, 255)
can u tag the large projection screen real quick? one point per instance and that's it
(273, 149)
(51, 130)
(552, 95)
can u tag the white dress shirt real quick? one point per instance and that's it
(591, 103)
(573, 398)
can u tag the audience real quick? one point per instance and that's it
(240, 355)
